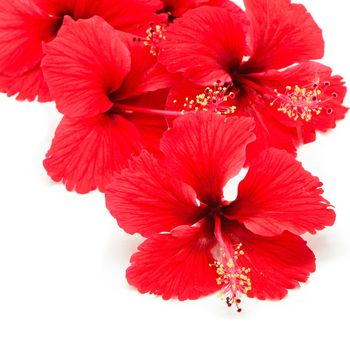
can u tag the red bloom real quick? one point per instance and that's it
(198, 242)
(288, 105)
(176, 8)
(25, 25)
(98, 76)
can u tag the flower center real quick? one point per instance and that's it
(303, 103)
(154, 36)
(216, 98)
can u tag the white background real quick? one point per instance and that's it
(62, 257)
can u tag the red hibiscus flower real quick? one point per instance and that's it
(177, 8)
(198, 242)
(98, 77)
(289, 104)
(25, 25)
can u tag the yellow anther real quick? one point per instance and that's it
(154, 35)
(232, 277)
(213, 99)
(298, 102)
(230, 264)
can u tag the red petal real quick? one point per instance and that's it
(146, 73)
(178, 7)
(181, 90)
(23, 28)
(150, 126)
(28, 86)
(282, 34)
(269, 132)
(216, 51)
(174, 265)
(126, 15)
(277, 263)
(206, 150)
(305, 75)
(144, 198)
(83, 65)
(236, 11)
(278, 195)
(87, 151)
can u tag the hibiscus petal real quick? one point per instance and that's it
(147, 200)
(23, 28)
(28, 86)
(150, 126)
(276, 263)
(174, 265)
(85, 152)
(269, 132)
(281, 34)
(178, 7)
(180, 91)
(146, 74)
(278, 195)
(317, 80)
(126, 15)
(206, 150)
(83, 65)
(202, 54)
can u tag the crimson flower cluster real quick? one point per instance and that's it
(163, 103)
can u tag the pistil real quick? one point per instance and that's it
(129, 109)
(304, 102)
(232, 277)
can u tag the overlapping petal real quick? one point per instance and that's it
(25, 25)
(146, 74)
(150, 126)
(276, 263)
(175, 265)
(146, 199)
(88, 68)
(86, 152)
(281, 34)
(278, 195)
(216, 52)
(128, 15)
(23, 28)
(327, 91)
(205, 150)
(27, 86)
(83, 65)
(268, 130)
(177, 8)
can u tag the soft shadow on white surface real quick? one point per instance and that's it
(121, 246)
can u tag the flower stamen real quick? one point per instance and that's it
(214, 99)
(303, 103)
(233, 278)
(155, 35)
